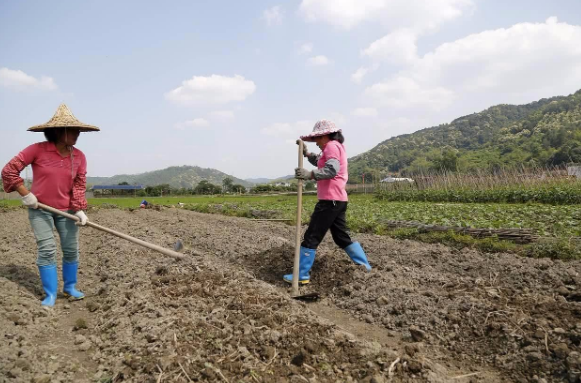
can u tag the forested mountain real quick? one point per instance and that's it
(543, 133)
(175, 176)
(97, 180)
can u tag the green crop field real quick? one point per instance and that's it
(368, 214)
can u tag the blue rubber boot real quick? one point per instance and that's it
(307, 258)
(70, 280)
(49, 279)
(356, 253)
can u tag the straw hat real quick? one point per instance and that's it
(64, 118)
(321, 128)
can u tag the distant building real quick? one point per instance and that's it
(396, 179)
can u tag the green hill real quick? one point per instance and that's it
(97, 180)
(258, 181)
(290, 179)
(543, 133)
(175, 176)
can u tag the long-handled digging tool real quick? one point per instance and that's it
(151, 246)
(295, 286)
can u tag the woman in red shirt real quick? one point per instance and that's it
(59, 180)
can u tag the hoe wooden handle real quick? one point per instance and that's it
(298, 232)
(150, 246)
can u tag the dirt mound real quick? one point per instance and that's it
(519, 315)
(424, 313)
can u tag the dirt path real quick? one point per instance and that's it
(425, 312)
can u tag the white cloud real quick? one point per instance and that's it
(517, 64)
(398, 47)
(17, 79)
(405, 92)
(396, 126)
(222, 114)
(365, 112)
(319, 60)
(402, 125)
(306, 48)
(213, 89)
(286, 130)
(196, 123)
(291, 131)
(357, 77)
(406, 20)
(273, 16)
(337, 118)
(419, 14)
(343, 13)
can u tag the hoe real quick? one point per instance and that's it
(295, 283)
(295, 286)
(151, 246)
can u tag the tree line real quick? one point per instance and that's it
(205, 187)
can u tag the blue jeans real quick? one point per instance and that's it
(43, 224)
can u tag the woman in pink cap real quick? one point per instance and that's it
(331, 177)
(59, 172)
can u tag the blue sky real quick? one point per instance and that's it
(230, 85)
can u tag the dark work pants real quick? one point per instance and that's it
(327, 215)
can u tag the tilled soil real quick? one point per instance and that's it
(425, 313)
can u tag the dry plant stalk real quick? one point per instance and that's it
(482, 179)
(392, 367)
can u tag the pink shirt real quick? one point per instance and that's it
(333, 189)
(58, 181)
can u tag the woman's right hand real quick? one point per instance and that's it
(30, 201)
(303, 174)
(82, 218)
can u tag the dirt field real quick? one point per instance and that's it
(426, 313)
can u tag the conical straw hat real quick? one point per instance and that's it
(64, 118)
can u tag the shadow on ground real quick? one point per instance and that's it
(22, 276)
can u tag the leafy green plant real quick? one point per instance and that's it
(367, 214)
(565, 192)
(560, 249)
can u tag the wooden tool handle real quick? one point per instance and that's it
(297, 259)
(151, 246)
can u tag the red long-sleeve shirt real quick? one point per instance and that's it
(58, 181)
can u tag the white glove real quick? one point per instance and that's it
(30, 201)
(303, 174)
(82, 217)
